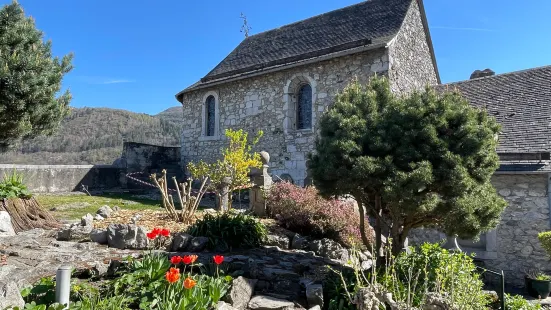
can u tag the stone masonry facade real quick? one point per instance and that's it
(266, 102)
(513, 247)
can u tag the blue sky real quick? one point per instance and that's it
(138, 54)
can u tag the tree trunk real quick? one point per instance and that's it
(27, 214)
(362, 224)
(398, 235)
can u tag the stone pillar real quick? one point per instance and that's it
(262, 183)
(224, 195)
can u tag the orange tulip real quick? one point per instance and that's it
(173, 275)
(189, 283)
(193, 258)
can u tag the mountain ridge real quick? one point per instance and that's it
(96, 135)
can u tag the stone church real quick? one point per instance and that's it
(281, 81)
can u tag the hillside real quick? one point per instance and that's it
(95, 136)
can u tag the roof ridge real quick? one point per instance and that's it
(498, 75)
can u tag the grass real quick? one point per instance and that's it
(71, 207)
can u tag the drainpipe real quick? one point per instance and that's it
(63, 285)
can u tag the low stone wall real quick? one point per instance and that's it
(141, 157)
(66, 178)
(513, 246)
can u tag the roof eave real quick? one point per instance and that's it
(282, 67)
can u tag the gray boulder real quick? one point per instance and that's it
(180, 242)
(299, 242)
(270, 303)
(198, 244)
(315, 308)
(314, 295)
(98, 218)
(329, 248)
(105, 211)
(10, 296)
(6, 228)
(126, 236)
(87, 220)
(75, 232)
(241, 292)
(99, 236)
(280, 241)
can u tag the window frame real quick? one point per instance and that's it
(204, 117)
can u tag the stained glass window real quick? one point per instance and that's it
(304, 107)
(210, 118)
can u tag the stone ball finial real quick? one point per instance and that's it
(265, 157)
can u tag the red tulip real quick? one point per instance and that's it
(189, 259)
(151, 235)
(164, 232)
(218, 259)
(175, 260)
(156, 231)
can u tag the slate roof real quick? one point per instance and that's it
(368, 23)
(521, 103)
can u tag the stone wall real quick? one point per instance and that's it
(66, 178)
(411, 65)
(265, 102)
(513, 247)
(140, 157)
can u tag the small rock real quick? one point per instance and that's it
(198, 244)
(366, 265)
(299, 242)
(6, 228)
(10, 296)
(223, 306)
(98, 218)
(87, 220)
(100, 269)
(105, 211)
(210, 211)
(314, 295)
(241, 292)
(270, 303)
(75, 232)
(180, 242)
(99, 236)
(116, 209)
(126, 236)
(278, 240)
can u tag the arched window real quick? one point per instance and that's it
(304, 107)
(210, 116)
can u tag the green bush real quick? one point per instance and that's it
(430, 268)
(519, 303)
(230, 230)
(12, 186)
(545, 240)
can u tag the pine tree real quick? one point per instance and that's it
(30, 77)
(424, 160)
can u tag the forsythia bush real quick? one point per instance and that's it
(545, 240)
(305, 212)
